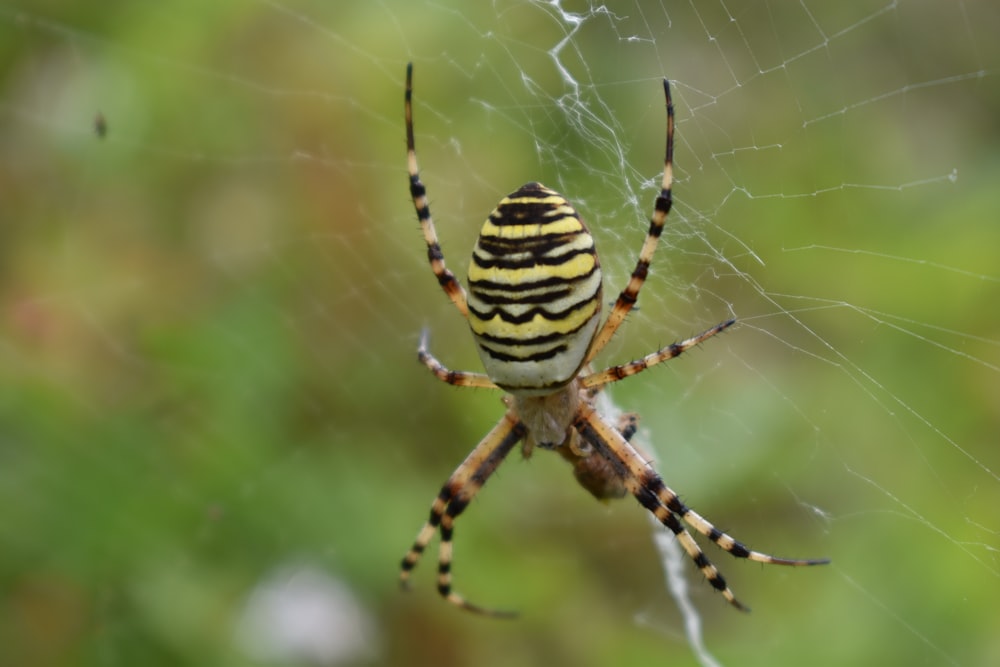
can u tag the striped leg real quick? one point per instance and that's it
(445, 277)
(627, 298)
(457, 378)
(648, 488)
(668, 497)
(455, 495)
(616, 373)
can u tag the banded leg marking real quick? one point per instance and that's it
(661, 209)
(418, 192)
(616, 373)
(651, 492)
(456, 378)
(453, 498)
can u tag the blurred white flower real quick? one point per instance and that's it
(301, 613)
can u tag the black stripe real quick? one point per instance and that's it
(529, 314)
(535, 259)
(456, 507)
(641, 270)
(531, 212)
(536, 340)
(417, 188)
(539, 244)
(537, 356)
(522, 342)
(656, 485)
(502, 298)
(664, 201)
(739, 550)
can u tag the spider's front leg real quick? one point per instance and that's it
(418, 193)
(661, 209)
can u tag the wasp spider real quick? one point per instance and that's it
(534, 306)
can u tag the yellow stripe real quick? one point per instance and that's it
(538, 326)
(575, 267)
(566, 225)
(554, 198)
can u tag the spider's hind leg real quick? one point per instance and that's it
(634, 473)
(454, 497)
(668, 497)
(639, 479)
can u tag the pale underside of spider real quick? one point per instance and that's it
(534, 307)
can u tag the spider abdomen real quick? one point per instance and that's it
(534, 291)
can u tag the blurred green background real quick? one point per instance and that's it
(208, 320)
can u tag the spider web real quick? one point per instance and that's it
(214, 439)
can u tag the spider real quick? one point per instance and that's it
(534, 307)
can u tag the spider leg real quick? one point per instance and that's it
(649, 489)
(668, 497)
(456, 378)
(725, 542)
(627, 298)
(453, 498)
(616, 373)
(628, 463)
(444, 276)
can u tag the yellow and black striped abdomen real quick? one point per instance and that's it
(534, 291)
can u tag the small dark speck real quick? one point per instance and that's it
(100, 125)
